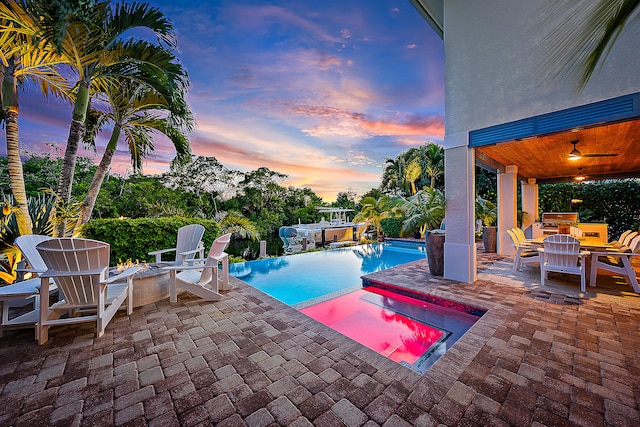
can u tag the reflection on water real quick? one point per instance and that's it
(409, 331)
(297, 278)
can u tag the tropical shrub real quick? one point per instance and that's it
(133, 239)
(424, 210)
(391, 227)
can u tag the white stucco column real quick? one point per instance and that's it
(507, 208)
(459, 184)
(529, 205)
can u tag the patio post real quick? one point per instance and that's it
(459, 183)
(507, 204)
(529, 205)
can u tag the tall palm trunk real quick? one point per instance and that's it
(71, 152)
(16, 176)
(90, 200)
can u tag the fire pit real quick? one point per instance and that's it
(150, 285)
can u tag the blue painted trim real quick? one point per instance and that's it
(611, 110)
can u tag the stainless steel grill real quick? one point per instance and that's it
(558, 222)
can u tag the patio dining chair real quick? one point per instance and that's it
(618, 263)
(189, 243)
(525, 254)
(203, 280)
(561, 253)
(80, 269)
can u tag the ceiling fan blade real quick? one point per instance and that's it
(600, 155)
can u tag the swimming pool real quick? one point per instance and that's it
(297, 278)
(411, 329)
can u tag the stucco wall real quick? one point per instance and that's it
(493, 57)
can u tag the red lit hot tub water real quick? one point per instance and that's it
(401, 328)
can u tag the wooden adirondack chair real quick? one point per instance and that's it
(203, 280)
(561, 253)
(187, 245)
(80, 268)
(618, 262)
(525, 254)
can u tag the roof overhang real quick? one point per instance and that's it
(433, 13)
(608, 133)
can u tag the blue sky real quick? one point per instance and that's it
(322, 91)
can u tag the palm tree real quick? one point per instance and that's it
(393, 175)
(412, 174)
(435, 163)
(581, 42)
(374, 211)
(135, 111)
(235, 222)
(22, 61)
(91, 44)
(425, 211)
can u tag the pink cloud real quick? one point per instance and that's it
(335, 121)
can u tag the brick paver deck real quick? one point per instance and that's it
(537, 357)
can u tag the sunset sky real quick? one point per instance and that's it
(322, 91)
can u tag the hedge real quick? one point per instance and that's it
(391, 226)
(133, 239)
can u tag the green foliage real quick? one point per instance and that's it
(423, 166)
(424, 210)
(391, 227)
(134, 238)
(486, 184)
(486, 211)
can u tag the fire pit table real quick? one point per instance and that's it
(150, 285)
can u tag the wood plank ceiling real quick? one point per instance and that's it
(546, 158)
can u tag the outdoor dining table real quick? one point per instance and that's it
(587, 243)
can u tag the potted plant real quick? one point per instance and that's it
(425, 212)
(487, 212)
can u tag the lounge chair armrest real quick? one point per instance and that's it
(184, 267)
(221, 256)
(122, 275)
(190, 252)
(161, 251)
(54, 273)
(29, 270)
(611, 253)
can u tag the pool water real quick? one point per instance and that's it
(413, 330)
(297, 278)
(407, 330)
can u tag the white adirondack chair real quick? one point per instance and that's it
(561, 253)
(187, 245)
(27, 245)
(80, 268)
(617, 262)
(20, 293)
(203, 280)
(525, 254)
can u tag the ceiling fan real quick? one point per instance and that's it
(575, 154)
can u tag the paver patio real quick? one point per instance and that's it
(537, 357)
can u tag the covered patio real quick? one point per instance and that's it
(590, 142)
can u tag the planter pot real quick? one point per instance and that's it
(434, 243)
(489, 238)
(417, 235)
